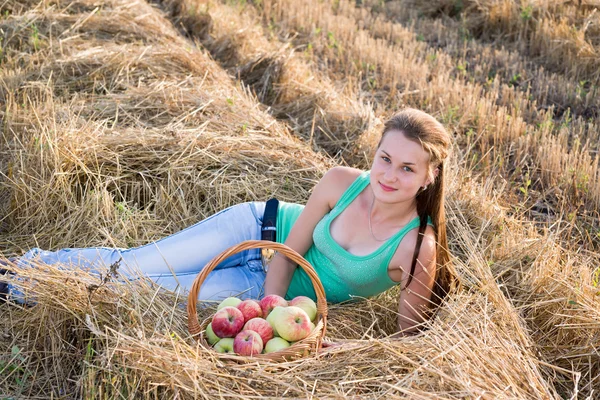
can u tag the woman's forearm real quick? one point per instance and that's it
(279, 275)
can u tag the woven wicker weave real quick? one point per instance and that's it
(299, 349)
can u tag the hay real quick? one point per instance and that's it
(133, 332)
(327, 115)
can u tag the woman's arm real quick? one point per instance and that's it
(323, 198)
(414, 300)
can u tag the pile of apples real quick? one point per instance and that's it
(252, 327)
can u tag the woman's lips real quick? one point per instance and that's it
(386, 188)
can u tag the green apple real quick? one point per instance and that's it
(225, 345)
(276, 344)
(272, 317)
(292, 323)
(307, 304)
(211, 336)
(230, 301)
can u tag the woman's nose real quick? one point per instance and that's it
(390, 175)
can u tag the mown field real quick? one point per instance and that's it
(126, 120)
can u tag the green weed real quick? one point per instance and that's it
(515, 80)
(457, 7)
(596, 277)
(14, 367)
(451, 116)
(332, 42)
(123, 210)
(431, 57)
(526, 184)
(526, 12)
(583, 88)
(35, 37)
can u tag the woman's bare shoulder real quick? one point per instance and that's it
(346, 175)
(337, 180)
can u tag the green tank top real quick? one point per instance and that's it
(343, 275)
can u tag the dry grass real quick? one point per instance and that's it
(118, 128)
(563, 36)
(329, 117)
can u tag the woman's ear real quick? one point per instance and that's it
(433, 176)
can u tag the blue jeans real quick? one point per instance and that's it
(174, 261)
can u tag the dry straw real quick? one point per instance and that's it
(329, 115)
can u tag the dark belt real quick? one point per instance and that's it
(269, 230)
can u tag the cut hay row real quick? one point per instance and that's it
(553, 288)
(558, 295)
(562, 36)
(328, 117)
(401, 76)
(109, 133)
(535, 89)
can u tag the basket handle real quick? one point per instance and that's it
(193, 324)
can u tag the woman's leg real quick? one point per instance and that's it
(175, 261)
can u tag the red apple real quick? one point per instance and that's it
(260, 326)
(250, 309)
(307, 304)
(268, 303)
(292, 323)
(247, 343)
(227, 322)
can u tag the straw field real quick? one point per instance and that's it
(124, 121)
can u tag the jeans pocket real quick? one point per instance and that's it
(255, 265)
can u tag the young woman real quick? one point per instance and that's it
(363, 232)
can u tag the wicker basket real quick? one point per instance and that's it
(301, 348)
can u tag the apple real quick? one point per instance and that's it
(260, 326)
(307, 304)
(229, 302)
(276, 344)
(292, 323)
(224, 345)
(247, 343)
(273, 317)
(227, 322)
(250, 309)
(210, 335)
(268, 303)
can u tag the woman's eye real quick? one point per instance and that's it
(408, 169)
(386, 159)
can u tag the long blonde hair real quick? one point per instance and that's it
(427, 131)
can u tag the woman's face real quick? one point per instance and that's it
(400, 168)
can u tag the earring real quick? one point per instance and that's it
(425, 187)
